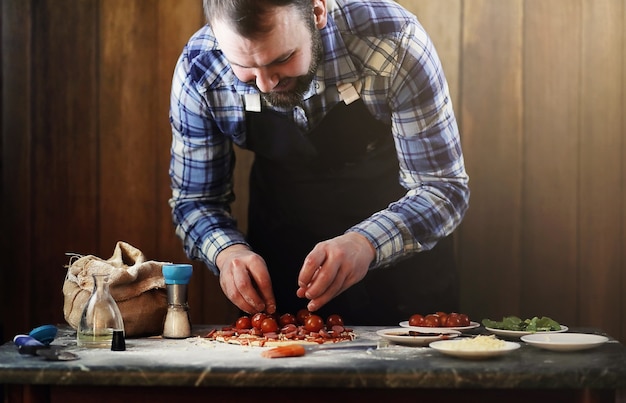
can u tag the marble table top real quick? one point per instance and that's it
(197, 361)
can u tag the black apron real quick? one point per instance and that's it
(306, 188)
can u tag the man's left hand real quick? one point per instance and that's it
(332, 267)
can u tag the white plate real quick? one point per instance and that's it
(518, 333)
(472, 325)
(446, 347)
(400, 335)
(564, 341)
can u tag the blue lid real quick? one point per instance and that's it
(45, 334)
(177, 273)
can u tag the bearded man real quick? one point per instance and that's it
(358, 179)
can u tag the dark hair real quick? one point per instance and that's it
(247, 16)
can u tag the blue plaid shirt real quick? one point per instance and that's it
(380, 48)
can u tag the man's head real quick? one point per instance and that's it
(273, 44)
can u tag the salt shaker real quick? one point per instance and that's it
(177, 324)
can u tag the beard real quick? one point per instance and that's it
(294, 97)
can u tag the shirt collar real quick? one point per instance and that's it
(337, 67)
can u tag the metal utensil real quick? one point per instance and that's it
(57, 354)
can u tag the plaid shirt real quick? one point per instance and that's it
(380, 48)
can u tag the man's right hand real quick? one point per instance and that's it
(245, 280)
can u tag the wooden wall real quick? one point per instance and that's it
(86, 145)
(540, 92)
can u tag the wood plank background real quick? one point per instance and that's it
(539, 88)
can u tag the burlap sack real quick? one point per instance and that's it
(136, 285)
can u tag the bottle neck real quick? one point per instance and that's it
(100, 284)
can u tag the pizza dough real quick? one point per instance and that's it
(288, 334)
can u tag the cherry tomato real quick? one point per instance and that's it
(313, 323)
(416, 320)
(257, 318)
(431, 320)
(269, 325)
(302, 315)
(443, 318)
(243, 322)
(286, 319)
(334, 320)
(465, 321)
(454, 320)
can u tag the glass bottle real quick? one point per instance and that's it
(177, 324)
(101, 316)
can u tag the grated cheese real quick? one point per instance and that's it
(478, 343)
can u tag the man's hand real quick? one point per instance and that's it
(333, 266)
(245, 280)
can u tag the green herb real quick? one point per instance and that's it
(514, 323)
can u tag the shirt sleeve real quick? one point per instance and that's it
(429, 153)
(201, 171)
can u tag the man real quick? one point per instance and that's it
(358, 179)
